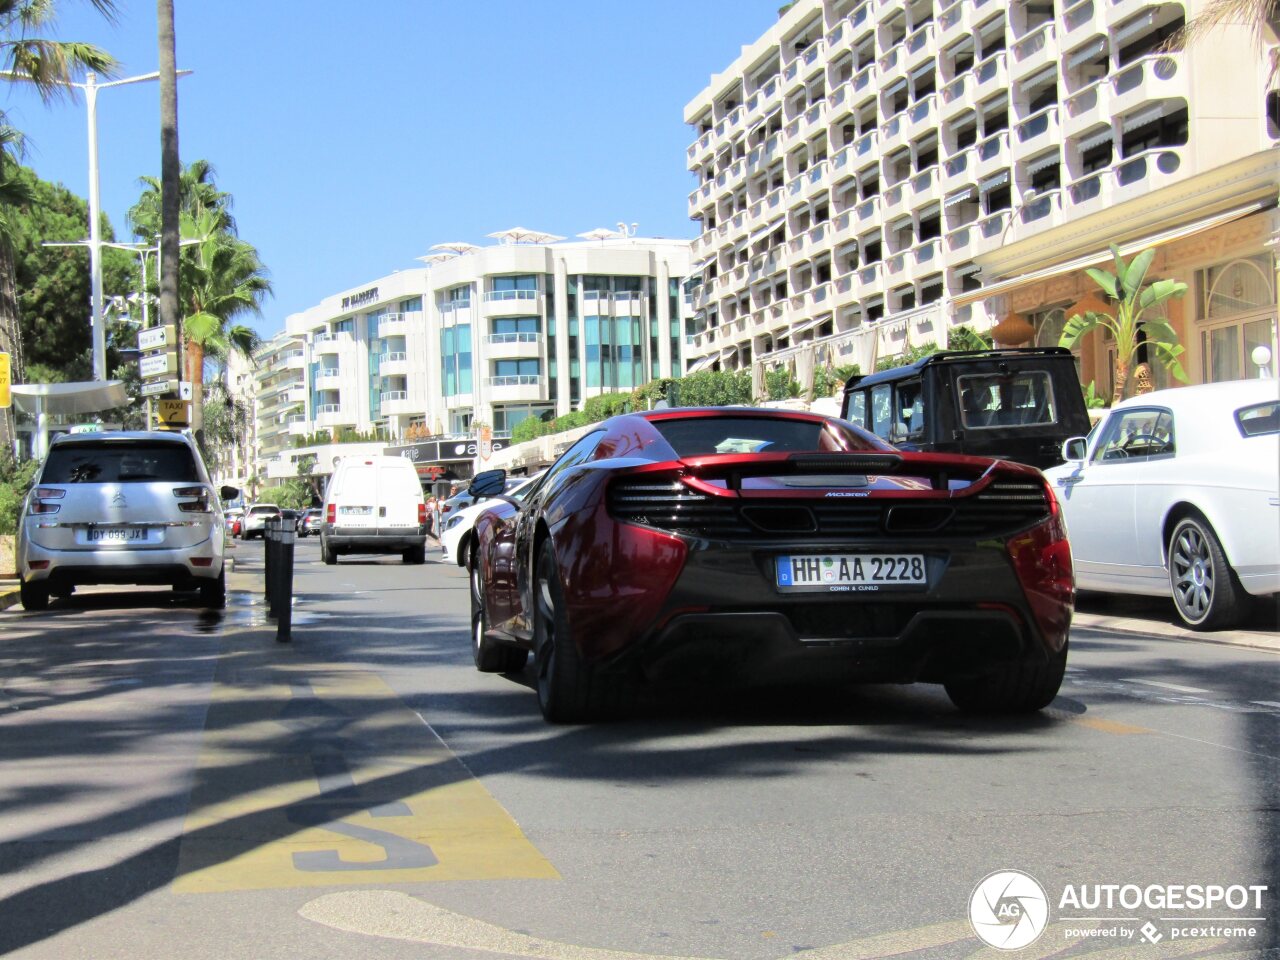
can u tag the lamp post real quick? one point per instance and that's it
(95, 243)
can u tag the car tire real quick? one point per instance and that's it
(416, 554)
(569, 689)
(1022, 687)
(491, 656)
(327, 553)
(62, 593)
(213, 593)
(1205, 590)
(464, 552)
(34, 596)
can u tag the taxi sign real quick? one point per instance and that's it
(173, 413)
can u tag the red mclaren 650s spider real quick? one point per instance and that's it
(770, 546)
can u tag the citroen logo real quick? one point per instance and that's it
(118, 500)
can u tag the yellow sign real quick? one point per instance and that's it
(5, 399)
(173, 413)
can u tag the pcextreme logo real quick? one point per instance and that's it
(1008, 910)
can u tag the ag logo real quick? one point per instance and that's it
(1008, 910)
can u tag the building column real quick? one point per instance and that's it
(558, 313)
(666, 362)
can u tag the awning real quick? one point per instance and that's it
(807, 325)
(966, 194)
(995, 25)
(1097, 139)
(921, 70)
(1040, 76)
(1043, 163)
(967, 268)
(1126, 249)
(1000, 179)
(894, 87)
(1133, 27)
(902, 223)
(91, 396)
(702, 363)
(765, 231)
(1090, 51)
(1142, 117)
(961, 45)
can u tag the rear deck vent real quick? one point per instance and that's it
(781, 519)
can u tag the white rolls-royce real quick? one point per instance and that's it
(1177, 493)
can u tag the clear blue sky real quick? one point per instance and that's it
(354, 137)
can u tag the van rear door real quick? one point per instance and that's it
(399, 493)
(356, 498)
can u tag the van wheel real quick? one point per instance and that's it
(33, 596)
(416, 554)
(327, 553)
(213, 593)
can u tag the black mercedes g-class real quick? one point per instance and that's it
(1016, 404)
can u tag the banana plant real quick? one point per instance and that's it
(1131, 301)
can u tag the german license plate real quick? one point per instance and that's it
(116, 535)
(853, 571)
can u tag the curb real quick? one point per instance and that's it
(1159, 630)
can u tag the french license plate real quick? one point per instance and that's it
(853, 571)
(117, 535)
(355, 511)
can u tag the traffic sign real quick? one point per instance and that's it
(158, 388)
(158, 365)
(173, 413)
(156, 338)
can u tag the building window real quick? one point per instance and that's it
(1236, 314)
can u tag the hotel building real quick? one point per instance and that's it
(492, 335)
(871, 174)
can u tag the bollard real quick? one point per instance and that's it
(283, 564)
(268, 565)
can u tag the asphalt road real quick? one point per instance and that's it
(174, 783)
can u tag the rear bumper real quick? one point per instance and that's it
(74, 567)
(373, 541)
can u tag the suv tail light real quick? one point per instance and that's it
(330, 514)
(1042, 559)
(199, 501)
(40, 495)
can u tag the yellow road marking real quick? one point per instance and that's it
(1109, 726)
(327, 779)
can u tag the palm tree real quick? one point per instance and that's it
(26, 56)
(1260, 16)
(197, 192)
(1130, 302)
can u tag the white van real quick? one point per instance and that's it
(374, 505)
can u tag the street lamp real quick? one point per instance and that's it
(91, 88)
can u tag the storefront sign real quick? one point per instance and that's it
(360, 299)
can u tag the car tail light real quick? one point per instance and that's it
(38, 564)
(40, 496)
(1042, 559)
(198, 502)
(330, 514)
(422, 514)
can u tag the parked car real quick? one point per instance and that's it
(1177, 494)
(459, 501)
(255, 520)
(457, 540)
(122, 507)
(770, 546)
(233, 520)
(1017, 404)
(374, 505)
(308, 522)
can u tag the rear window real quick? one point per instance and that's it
(274, 511)
(1260, 419)
(695, 438)
(1023, 399)
(120, 462)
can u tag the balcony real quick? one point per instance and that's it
(892, 66)
(1040, 213)
(867, 213)
(1036, 132)
(843, 286)
(839, 38)
(920, 115)
(894, 201)
(958, 242)
(990, 232)
(1153, 77)
(328, 378)
(895, 268)
(517, 388)
(812, 119)
(393, 363)
(919, 45)
(1079, 21)
(298, 424)
(954, 95)
(817, 179)
(991, 76)
(866, 144)
(844, 228)
(498, 303)
(730, 123)
(295, 394)
(872, 275)
(331, 415)
(294, 359)
(893, 133)
(862, 79)
(395, 402)
(956, 170)
(392, 325)
(1144, 172)
(1087, 107)
(953, 23)
(924, 188)
(1090, 193)
(812, 60)
(763, 100)
(1038, 49)
(326, 343)
(1118, 11)
(927, 256)
(992, 153)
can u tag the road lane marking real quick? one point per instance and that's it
(1177, 688)
(1108, 726)
(1266, 703)
(323, 777)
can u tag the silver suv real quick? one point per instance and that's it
(122, 508)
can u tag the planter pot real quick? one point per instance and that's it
(8, 564)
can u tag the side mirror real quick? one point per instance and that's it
(488, 483)
(229, 493)
(1074, 449)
